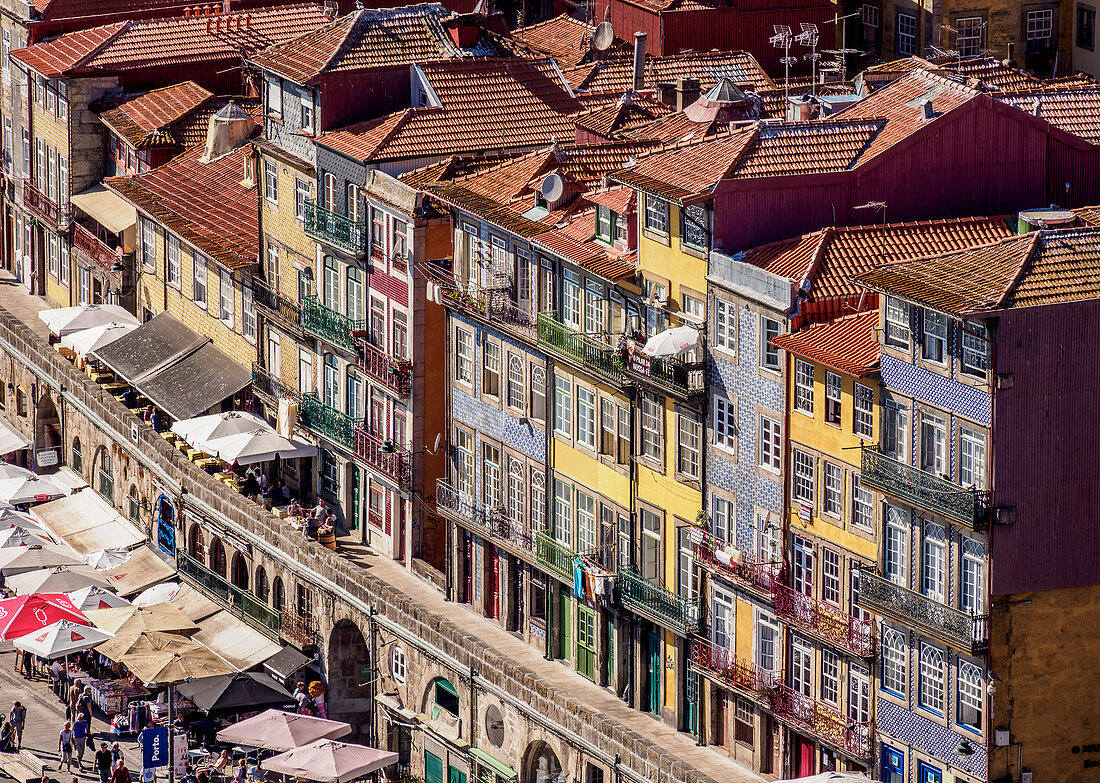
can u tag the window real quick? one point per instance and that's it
(804, 387)
(537, 498)
(624, 440)
(854, 609)
(801, 667)
(5, 62)
(586, 523)
(571, 300)
(1086, 26)
(607, 427)
(833, 501)
(696, 226)
(767, 635)
(723, 520)
(538, 393)
(307, 113)
(594, 312)
(464, 356)
(830, 676)
(905, 45)
(225, 299)
(652, 431)
(971, 458)
(76, 460)
(725, 325)
(274, 97)
(563, 404)
(490, 368)
(301, 196)
(198, 274)
(970, 695)
(830, 576)
(491, 480)
(586, 417)
(896, 559)
(106, 477)
(895, 431)
(248, 314)
(862, 504)
(725, 424)
(934, 337)
(563, 512)
(172, 255)
(744, 722)
(897, 323)
(1038, 28)
(401, 335)
(833, 396)
(975, 349)
(271, 182)
(353, 202)
(446, 697)
(933, 444)
(651, 544)
(972, 577)
(863, 407)
(803, 476)
(934, 562)
(859, 699)
(969, 40)
(769, 353)
(603, 223)
(771, 444)
(656, 214)
(399, 666)
(693, 308)
(894, 654)
(464, 462)
(931, 678)
(328, 189)
(687, 454)
(802, 559)
(516, 372)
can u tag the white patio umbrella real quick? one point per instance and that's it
(199, 430)
(671, 342)
(158, 594)
(87, 340)
(22, 536)
(30, 489)
(8, 471)
(59, 639)
(21, 559)
(278, 730)
(66, 320)
(107, 558)
(330, 761)
(10, 518)
(259, 445)
(96, 597)
(63, 579)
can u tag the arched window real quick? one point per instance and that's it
(135, 504)
(444, 696)
(196, 544)
(217, 557)
(931, 678)
(278, 596)
(105, 477)
(240, 571)
(893, 661)
(545, 767)
(76, 461)
(262, 588)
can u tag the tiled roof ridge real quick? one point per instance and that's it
(280, 47)
(1032, 243)
(119, 29)
(339, 47)
(399, 122)
(1048, 89)
(520, 30)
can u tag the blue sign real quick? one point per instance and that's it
(154, 747)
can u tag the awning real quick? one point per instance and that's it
(286, 663)
(500, 767)
(180, 371)
(67, 477)
(107, 208)
(11, 439)
(87, 523)
(144, 569)
(226, 635)
(193, 603)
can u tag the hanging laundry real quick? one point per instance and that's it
(578, 578)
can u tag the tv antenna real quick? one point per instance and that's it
(842, 53)
(783, 40)
(809, 37)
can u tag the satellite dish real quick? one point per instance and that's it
(603, 37)
(553, 187)
(438, 441)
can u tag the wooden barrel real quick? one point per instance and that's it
(326, 537)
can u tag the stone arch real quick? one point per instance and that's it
(218, 560)
(349, 674)
(278, 594)
(239, 571)
(47, 426)
(76, 457)
(103, 474)
(442, 695)
(196, 543)
(541, 764)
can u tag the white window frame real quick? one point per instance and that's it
(689, 436)
(225, 297)
(723, 519)
(905, 42)
(271, 182)
(972, 577)
(725, 424)
(934, 562)
(832, 571)
(563, 405)
(586, 417)
(896, 546)
(971, 458)
(933, 444)
(771, 444)
(970, 686)
(198, 278)
(830, 676)
(656, 214)
(934, 330)
(804, 387)
(931, 691)
(863, 411)
(832, 501)
(803, 466)
(834, 398)
(725, 325)
(974, 356)
(863, 508)
(652, 421)
(464, 356)
(895, 654)
(802, 655)
(771, 357)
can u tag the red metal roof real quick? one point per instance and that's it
(846, 344)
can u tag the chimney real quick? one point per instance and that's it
(687, 92)
(248, 21)
(927, 111)
(802, 109)
(228, 129)
(208, 25)
(666, 93)
(1037, 107)
(187, 11)
(225, 7)
(639, 61)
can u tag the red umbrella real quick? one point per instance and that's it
(29, 613)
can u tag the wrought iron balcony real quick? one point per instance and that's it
(826, 622)
(239, 601)
(97, 251)
(657, 603)
(299, 628)
(734, 672)
(385, 456)
(963, 631)
(268, 385)
(329, 324)
(282, 307)
(670, 374)
(584, 350)
(969, 507)
(748, 572)
(327, 421)
(461, 506)
(554, 556)
(333, 229)
(820, 720)
(44, 207)
(495, 305)
(392, 373)
(507, 530)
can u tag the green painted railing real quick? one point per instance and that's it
(554, 556)
(333, 229)
(659, 604)
(328, 421)
(239, 601)
(330, 324)
(967, 506)
(587, 351)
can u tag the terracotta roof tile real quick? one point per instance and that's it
(617, 75)
(688, 170)
(621, 201)
(784, 149)
(1074, 110)
(169, 42)
(140, 117)
(564, 38)
(629, 113)
(846, 344)
(986, 72)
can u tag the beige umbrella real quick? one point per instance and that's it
(163, 668)
(329, 761)
(126, 620)
(278, 730)
(63, 579)
(20, 559)
(145, 643)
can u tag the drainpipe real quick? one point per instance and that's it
(375, 673)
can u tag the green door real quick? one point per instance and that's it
(611, 654)
(565, 622)
(356, 500)
(455, 775)
(654, 673)
(586, 641)
(433, 768)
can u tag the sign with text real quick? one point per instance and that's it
(154, 746)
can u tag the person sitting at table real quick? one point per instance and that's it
(218, 768)
(129, 397)
(148, 415)
(293, 510)
(155, 420)
(271, 496)
(285, 490)
(250, 488)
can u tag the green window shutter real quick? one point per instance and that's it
(433, 768)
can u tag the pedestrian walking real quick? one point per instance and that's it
(80, 739)
(18, 718)
(121, 774)
(65, 747)
(73, 699)
(104, 760)
(116, 756)
(84, 706)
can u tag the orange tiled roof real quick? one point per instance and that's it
(204, 203)
(169, 42)
(630, 112)
(141, 119)
(564, 38)
(1074, 110)
(619, 200)
(488, 104)
(845, 344)
(616, 75)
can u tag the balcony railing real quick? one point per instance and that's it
(299, 628)
(826, 622)
(969, 507)
(268, 385)
(820, 720)
(239, 601)
(503, 528)
(282, 306)
(659, 604)
(395, 375)
(96, 250)
(327, 421)
(330, 324)
(721, 664)
(333, 229)
(385, 456)
(461, 505)
(748, 572)
(671, 374)
(492, 304)
(43, 206)
(590, 353)
(554, 556)
(959, 629)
